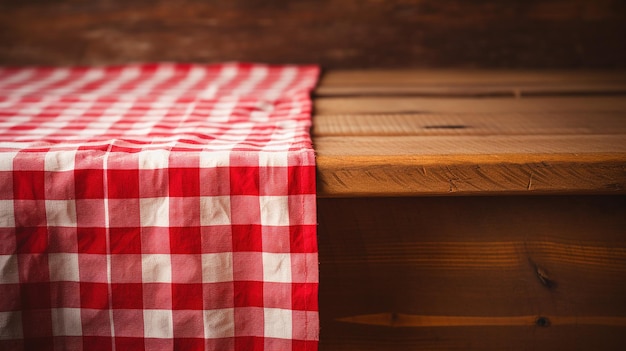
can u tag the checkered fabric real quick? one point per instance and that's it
(157, 207)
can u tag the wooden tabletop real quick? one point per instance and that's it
(405, 133)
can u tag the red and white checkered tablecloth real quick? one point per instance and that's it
(157, 207)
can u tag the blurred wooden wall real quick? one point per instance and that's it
(333, 33)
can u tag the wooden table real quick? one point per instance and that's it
(472, 210)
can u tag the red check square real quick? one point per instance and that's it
(29, 185)
(92, 240)
(247, 238)
(304, 296)
(35, 296)
(123, 184)
(89, 183)
(303, 238)
(126, 343)
(94, 295)
(31, 239)
(184, 182)
(187, 296)
(125, 240)
(301, 180)
(183, 343)
(185, 240)
(96, 343)
(127, 296)
(35, 340)
(244, 181)
(248, 293)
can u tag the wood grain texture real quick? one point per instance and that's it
(473, 273)
(466, 175)
(441, 145)
(334, 33)
(453, 165)
(400, 320)
(470, 83)
(573, 106)
(471, 124)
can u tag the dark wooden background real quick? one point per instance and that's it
(333, 33)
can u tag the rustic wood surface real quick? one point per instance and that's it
(481, 272)
(374, 137)
(333, 33)
(450, 83)
(473, 273)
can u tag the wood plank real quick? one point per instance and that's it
(400, 320)
(469, 83)
(416, 105)
(466, 77)
(481, 146)
(509, 123)
(472, 272)
(474, 338)
(334, 33)
(442, 146)
(416, 175)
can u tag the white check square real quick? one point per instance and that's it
(6, 161)
(11, 325)
(214, 159)
(215, 210)
(153, 159)
(154, 212)
(8, 269)
(158, 324)
(217, 267)
(63, 267)
(274, 210)
(276, 267)
(59, 161)
(156, 268)
(61, 213)
(278, 323)
(7, 214)
(273, 159)
(219, 323)
(66, 322)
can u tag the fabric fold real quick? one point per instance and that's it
(158, 206)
